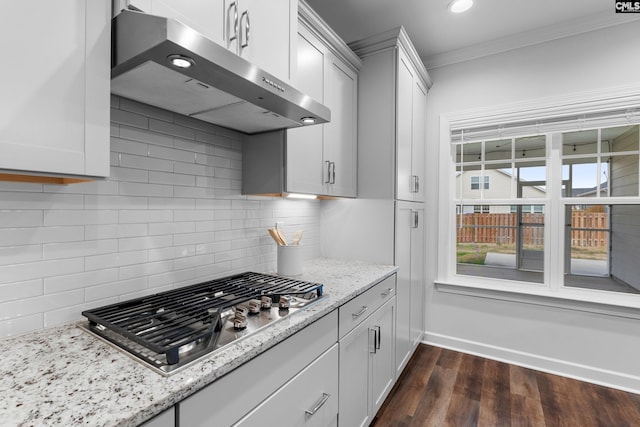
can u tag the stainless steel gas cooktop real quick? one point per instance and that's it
(169, 330)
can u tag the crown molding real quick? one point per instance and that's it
(529, 38)
(314, 23)
(394, 38)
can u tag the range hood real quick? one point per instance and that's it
(217, 86)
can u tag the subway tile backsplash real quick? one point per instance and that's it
(171, 214)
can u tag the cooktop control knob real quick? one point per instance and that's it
(284, 302)
(254, 306)
(265, 302)
(240, 319)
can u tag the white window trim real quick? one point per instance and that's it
(447, 280)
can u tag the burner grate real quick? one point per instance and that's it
(167, 321)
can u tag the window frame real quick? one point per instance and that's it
(552, 291)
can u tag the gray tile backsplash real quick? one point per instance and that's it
(171, 214)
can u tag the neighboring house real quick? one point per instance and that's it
(494, 184)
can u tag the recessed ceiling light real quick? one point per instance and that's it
(459, 6)
(181, 61)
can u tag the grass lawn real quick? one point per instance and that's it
(475, 253)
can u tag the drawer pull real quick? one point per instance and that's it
(387, 292)
(325, 397)
(360, 313)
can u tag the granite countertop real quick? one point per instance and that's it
(65, 376)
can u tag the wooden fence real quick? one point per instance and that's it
(502, 228)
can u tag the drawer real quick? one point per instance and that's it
(266, 373)
(355, 311)
(309, 399)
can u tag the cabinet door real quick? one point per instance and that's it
(418, 140)
(266, 33)
(165, 419)
(404, 131)
(340, 137)
(354, 382)
(403, 258)
(55, 103)
(417, 276)
(309, 399)
(304, 167)
(382, 360)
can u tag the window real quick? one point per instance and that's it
(504, 244)
(563, 210)
(475, 182)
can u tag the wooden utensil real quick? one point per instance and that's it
(297, 236)
(275, 236)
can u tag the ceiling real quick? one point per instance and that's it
(491, 26)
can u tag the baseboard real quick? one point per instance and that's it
(607, 378)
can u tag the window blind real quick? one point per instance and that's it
(464, 131)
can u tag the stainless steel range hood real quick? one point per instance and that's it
(218, 87)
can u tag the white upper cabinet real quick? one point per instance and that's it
(319, 159)
(340, 135)
(391, 117)
(264, 33)
(304, 147)
(322, 159)
(55, 88)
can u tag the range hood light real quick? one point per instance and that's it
(181, 61)
(308, 120)
(302, 196)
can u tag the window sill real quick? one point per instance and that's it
(585, 300)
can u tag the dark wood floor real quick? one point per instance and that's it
(441, 387)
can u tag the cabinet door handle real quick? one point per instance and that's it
(333, 173)
(417, 184)
(234, 6)
(387, 292)
(325, 397)
(373, 348)
(360, 313)
(378, 335)
(328, 163)
(247, 26)
(416, 219)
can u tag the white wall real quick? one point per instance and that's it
(171, 214)
(596, 347)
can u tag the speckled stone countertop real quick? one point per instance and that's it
(65, 376)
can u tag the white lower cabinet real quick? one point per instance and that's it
(164, 419)
(367, 355)
(410, 253)
(242, 394)
(308, 399)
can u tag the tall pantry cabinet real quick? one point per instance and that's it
(386, 223)
(391, 164)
